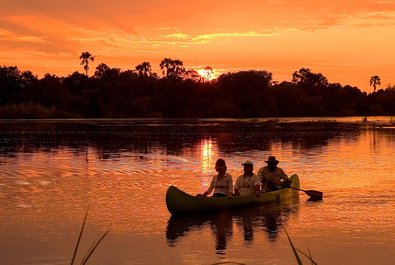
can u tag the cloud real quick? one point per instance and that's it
(206, 37)
(203, 16)
(123, 32)
(177, 35)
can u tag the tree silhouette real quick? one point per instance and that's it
(171, 67)
(183, 93)
(105, 73)
(375, 81)
(85, 57)
(306, 78)
(101, 70)
(144, 69)
(193, 75)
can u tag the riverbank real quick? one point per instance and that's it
(266, 123)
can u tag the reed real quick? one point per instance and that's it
(93, 246)
(295, 251)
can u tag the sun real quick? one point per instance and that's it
(207, 73)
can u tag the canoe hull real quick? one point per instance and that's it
(180, 203)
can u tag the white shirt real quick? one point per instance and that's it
(223, 185)
(246, 184)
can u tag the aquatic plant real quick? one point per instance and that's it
(295, 251)
(93, 246)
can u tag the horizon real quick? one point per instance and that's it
(346, 41)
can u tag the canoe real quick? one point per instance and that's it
(179, 202)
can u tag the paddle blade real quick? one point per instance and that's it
(315, 194)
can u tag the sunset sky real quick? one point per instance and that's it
(347, 41)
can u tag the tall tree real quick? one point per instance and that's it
(144, 69)
(375, 81)
(86, 57)
(106, 73)
(101, 70)
(171, 67)
(306, 78)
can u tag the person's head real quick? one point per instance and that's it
(248, 167)
(220, 166)
(272, 162)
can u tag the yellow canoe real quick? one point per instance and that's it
(179, 202)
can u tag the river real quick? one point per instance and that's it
(52, 171)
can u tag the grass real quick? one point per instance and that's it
(296, 251)
(32, 111)
(93, 246)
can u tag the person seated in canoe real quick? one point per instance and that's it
(271, 176)
(248, 183)
(222, 183)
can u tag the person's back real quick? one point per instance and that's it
(271, 176)
(248, 183)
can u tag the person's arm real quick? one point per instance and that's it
(210, 188)
(257, 185)
(257, 190)
(230, 186)
(237, 187)
(283, 176)
(285, 181)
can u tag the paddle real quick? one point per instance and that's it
(314, 194)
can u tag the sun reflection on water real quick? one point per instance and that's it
(44, 192)
(207, 153)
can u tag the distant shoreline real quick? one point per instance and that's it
(122, 123)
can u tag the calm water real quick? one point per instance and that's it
(51, 171)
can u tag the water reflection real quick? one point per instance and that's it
(109, 139)
(208, 153)
(221, 225)
(49, 172)
(268, 218)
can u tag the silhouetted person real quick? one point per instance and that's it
(248, 183)
(271, 176)
(248, 230)
(221, 224)
(272, 222)
(222, 183)
(222, 227)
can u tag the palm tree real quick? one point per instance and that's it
(144, 68)
(86, 56)
(171, 67)
(375, 81)
(178, 67)
(165, 65)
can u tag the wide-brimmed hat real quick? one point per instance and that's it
(248, 162)
(272, 160)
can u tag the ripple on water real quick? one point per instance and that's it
(43, 193)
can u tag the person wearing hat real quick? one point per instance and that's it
(271, 176)
(222, 183)
(248, 183)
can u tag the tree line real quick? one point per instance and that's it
(182, 93)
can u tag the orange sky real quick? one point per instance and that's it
(347, 41)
